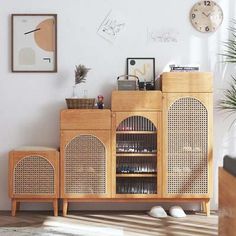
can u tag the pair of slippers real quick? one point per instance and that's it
(159, 212)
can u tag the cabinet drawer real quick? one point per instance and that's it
(136, 101)
(84, 119)
(186, 82)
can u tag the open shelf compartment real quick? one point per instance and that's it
(136, 156)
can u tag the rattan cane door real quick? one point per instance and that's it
(187, 145)
(34, 174)
(85, 164)
(136, 154)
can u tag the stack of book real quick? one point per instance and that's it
(174, 68)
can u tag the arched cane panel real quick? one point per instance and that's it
(136, 123)
(33, 175)
(187, 147)
(85, 166)
(142, 142)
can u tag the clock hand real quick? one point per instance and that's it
(32, 31)
(206, 14)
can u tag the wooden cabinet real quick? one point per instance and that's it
(34, 176)
(151, 146)
(85, 155)
(187, 152)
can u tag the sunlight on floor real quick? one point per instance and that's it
(132, 225)
(107, 224)
(84, 229)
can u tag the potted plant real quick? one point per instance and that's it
(81, 72)
(228, 102)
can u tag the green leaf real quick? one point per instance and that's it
(228, 102)
(229, 55)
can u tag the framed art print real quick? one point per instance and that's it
(34, 43)
(144, 68)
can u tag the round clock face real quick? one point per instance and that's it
(206, 16)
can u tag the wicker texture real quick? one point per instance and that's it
(80, 103)
(136, 123)
(85, 166)
(33, 175)
(187, 147)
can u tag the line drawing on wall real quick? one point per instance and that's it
(162, 36)
(111, 26)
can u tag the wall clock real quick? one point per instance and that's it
(34, 42)
(206, 16)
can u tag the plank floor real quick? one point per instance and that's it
(106, 224)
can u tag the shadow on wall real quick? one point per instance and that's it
(107, 206)
(107, 89)
(43, 129)
(129, 206)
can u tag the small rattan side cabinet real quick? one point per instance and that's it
(34, 176)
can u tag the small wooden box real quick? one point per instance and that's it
(84, 119)
(34, 176)
(136, 101)
(186, 82)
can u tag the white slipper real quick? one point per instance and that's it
(157, 212)
(177, 212)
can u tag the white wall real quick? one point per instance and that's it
(30, 103)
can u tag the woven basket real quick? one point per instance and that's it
(80, 103)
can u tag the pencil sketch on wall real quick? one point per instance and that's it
(162, 36)
(112, 26)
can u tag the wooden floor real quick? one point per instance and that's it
(106, 224)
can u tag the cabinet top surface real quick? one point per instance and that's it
(137, 92)
(85, 110)
(186, 74)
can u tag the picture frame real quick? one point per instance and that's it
(34, 43)
(144, 69)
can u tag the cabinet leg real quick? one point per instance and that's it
(13, 207)
(203, 209)
(55, 207)
(65, 207)
(206, 207)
